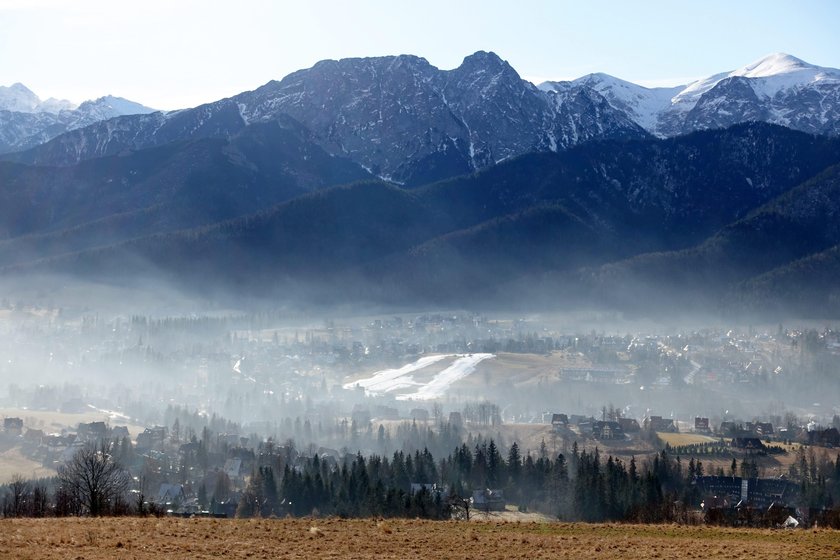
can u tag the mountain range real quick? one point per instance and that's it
(27, 121)
(389, 180)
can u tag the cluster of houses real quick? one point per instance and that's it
(749, 501)
(179, 476)
(748, 436)
(618, 429)
(55, 448)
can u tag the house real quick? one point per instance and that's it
(629, 425)
(152, 437)
(92, 431)
(189, 448)
(578, 419)
(170, 494)
(659, 424)
(607, 430)
(728, 428)
(433, 489)
(824, 438)
(749, 444)
(119, 432)
(559, 420)
(733, 491)
(13, 426)
(701, 425)
(56, 443)
(34, 436)
(763, 428)
(585, 428)
(488, 500)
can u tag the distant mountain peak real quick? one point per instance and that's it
(18, 97)
(773, 65)
(408, 121)
(17, 86)
(119, 104)
(485, 60)
(484, 56)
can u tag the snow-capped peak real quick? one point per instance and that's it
(772, 65)
(769, 75)
(110, 106)
(643, 104)
(18, 97)
(53, 105)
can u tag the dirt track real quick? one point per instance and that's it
(333, 538)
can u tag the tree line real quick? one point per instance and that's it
(581, 485)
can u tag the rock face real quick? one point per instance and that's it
(398, 116)
(402, 118)
(779, 89)
(411, 123)
(26, 121)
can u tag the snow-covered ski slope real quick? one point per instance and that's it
(402, 380)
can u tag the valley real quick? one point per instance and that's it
(390, 306)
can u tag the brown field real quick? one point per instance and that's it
(685, 439)
(334, 538)
(53, 421)
(13, 462)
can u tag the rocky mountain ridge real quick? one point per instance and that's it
(778, 89)
(411, 123)
(27, 121)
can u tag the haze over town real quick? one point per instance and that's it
(552, 262)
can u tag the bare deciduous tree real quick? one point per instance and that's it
(94, 477)
(17, 500)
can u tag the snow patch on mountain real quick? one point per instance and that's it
(642, 104)
(778, 88)
(27, 121)
(769, 75)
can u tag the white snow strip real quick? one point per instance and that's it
(437, 387)
(390, 379)
(112, 414)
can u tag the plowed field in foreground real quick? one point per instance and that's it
(333, 538)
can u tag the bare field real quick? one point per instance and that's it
(13, 462)
(685, 438)
(523, 369)
(334, 538)
(54, 421)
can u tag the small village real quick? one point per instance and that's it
(177, 471)
(231, 396)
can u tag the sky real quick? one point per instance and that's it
(171, 54)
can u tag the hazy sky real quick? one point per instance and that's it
(177, 53)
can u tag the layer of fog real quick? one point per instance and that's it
(138, 351)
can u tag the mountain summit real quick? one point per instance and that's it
(494, 186)
(778, 88)
(19, 98)
(398, 116)
(27, 121)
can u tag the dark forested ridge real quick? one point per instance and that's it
(778, 257)
(46, 211)
(688, 217)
